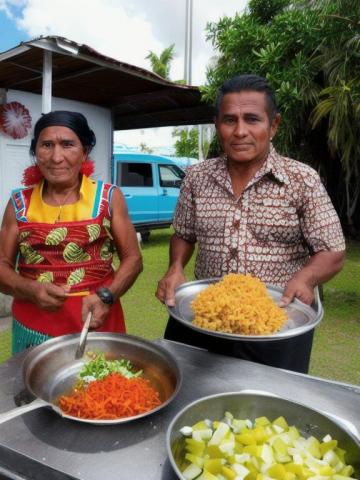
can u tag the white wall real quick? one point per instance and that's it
(14, 154)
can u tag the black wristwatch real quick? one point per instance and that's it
(105, 295)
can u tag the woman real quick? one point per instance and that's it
(58, 237)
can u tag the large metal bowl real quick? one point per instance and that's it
(50, 370)
(301, 317)
(253, 404)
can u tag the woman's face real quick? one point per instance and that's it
(59, 155)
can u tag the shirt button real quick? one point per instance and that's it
(236, 224)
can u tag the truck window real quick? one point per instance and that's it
(134, 174)
(170, 176)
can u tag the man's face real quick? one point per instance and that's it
(244, 127)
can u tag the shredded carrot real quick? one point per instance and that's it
(113, 397)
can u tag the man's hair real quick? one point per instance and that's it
(248, 83)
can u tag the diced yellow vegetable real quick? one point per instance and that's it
(206, 475)
(289, 476)
(294, 433)
(294, 468)
(281, 422)
(197, 460)
(253, 450)
(276, 471)
(200, 425)
(313, 447)
(326, 471)
(214, 451)
(190, 472)
(200, 435)
(262, 421)
(219, 433)
(340, 477)
(246, 438)
(279, 446)
(282, 458)
(236, 449)
(260, 435)
(347, 471)
(326, 446)
(266, 453)
(341, 454)
(213, 465)
(228, 473)
(193, 446)
(253, 471)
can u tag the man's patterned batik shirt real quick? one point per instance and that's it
(282, 217)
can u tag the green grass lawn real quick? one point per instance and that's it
(336, 352)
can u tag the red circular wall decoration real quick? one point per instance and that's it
(15, 119)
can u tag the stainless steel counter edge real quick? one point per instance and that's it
(64, 449)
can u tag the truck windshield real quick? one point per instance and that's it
(170, 176)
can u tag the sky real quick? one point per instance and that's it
(123, 29)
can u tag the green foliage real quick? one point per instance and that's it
(187, 143)
(265, 10)
(145, 148)
(309, 51)
(161, 64)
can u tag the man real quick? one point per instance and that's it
(253, 211)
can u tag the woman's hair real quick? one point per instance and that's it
(61, 118)
(248, 83)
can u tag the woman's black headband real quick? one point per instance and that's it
(62, 118)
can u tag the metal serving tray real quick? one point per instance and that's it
(301, 317)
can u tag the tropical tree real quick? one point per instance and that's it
(339, 104)
(145, 148)
(187, 143)
(309, 51)
(161, 64)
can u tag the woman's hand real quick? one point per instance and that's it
(99, 309)
(47, 296)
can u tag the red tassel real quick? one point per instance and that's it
(87, 168)
(32, 175)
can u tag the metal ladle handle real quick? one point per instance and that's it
(82, 342)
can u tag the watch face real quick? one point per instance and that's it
(105, 295)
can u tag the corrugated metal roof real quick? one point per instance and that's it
(137, 97)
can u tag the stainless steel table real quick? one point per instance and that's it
(41, 445)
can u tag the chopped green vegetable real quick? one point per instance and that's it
(236, 449)
(98, 368)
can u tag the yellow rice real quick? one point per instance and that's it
(238, 304)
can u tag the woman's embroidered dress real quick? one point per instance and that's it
(76, 251)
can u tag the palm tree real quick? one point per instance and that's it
(161, 64)
(340, 98)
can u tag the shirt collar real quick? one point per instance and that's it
(274, 165)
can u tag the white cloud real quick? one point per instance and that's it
(104, 25)
(127, 30)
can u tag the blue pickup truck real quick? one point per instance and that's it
(150, 184)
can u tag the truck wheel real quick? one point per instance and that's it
(145, 236)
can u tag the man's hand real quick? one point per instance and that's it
(167, 285)
(300, 288)
(319, 269)
(99, 309)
